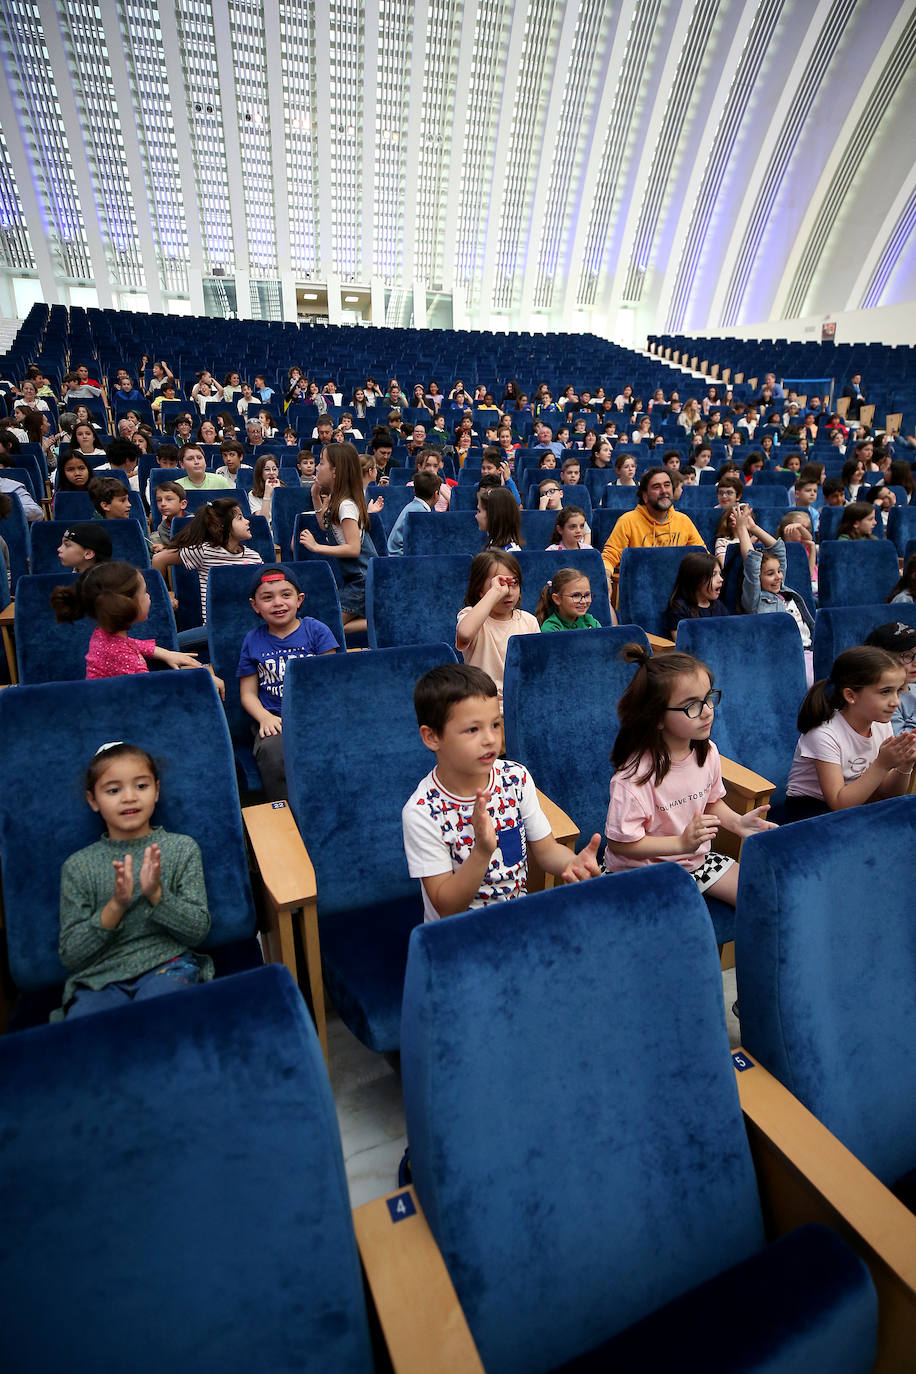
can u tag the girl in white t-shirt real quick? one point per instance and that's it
(491, 614)
(848, 753)
(667, 798)
(340, 505)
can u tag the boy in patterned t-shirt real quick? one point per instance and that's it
(469, 825)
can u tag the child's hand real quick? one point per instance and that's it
(220, 685)
(151, 874)
(702, 829)
(584, 864)
(124, 882)
(755, 821)
(308, 541)
(504, 473)
(273, 725)
(177, 659)
(898, 752)
(375, 506)
(484, 829)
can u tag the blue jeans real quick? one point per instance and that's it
(181, 972)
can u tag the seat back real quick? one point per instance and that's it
(843, 627)
(191, 1133)
(48, 652)
(285, 504)
(901, 526)
(569, 763)
(647, 578)
(442, 533)
(230, 617)
(52, 732)
(856, 572)
(759, 664)
(630, 1154)
(128, 544)
(14, 530)
(827, 1000)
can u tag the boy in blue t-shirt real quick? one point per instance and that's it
(277, 598)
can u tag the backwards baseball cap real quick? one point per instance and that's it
(273, 574)
(895, 637)
(90, 536)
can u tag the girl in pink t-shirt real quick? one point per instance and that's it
(667, 798)
(491, 615)
(115, 596)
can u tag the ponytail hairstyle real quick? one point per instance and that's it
(907, 582)
(694, 572)
(642, 708)
(211, 524)
(107, 593)
(482, 565)
(563, 517)
(560, 579)
(504, 525)
(348, 483)
(853, 669)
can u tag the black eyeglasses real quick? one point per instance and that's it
(694, 709)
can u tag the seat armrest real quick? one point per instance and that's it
(564, 828)
(658, 642)
(282, 858)
(401, 1260)
(805, 1174)
(744, 783)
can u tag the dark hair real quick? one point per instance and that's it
(107, 593)
(621, 458)
(873, 492)
(833, 485)
(855, 511)
(441, 688)
(122, 451)
(426, 484)
(479, 571)
(907, 582)
(121, 750)
(643, 484)
(63, 481)
(169, 451)
(210, 524)
(849, 468)
(257, 480)
(813, 472)
(901, 475)
(571, 462)
(751, 462)
(727, 470)
(562, 578)
(694, 571)
(641, 711)
(105, 489)
(563, 518)
(175, 487)
(853, 669)
(504, 524)
(730, 483)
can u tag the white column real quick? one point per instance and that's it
(335, 309)
(232, 143)
(80, 152)
(277, 115)
(419, 305)
(178, 104)
(25, 183)
(321, 137)
(377, 292)
(371, 25)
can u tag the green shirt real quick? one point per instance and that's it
(147, 936)
(211, 482)
(555, 621)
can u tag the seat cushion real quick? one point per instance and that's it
(806, 1302)
(364, 955)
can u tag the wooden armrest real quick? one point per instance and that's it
(745, 783)
(401, 1260)
(289, 884)
(564, 828)
(658, 642)
(8, 614)
(282, 858)
(806, 1175)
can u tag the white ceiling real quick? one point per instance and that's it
(625, 167)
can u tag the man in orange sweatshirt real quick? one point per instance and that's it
(653, 524)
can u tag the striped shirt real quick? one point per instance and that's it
(202, 557)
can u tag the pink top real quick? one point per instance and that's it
(665, 808)
(115, 656)
(487, 650)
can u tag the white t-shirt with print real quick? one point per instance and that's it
(834, 742)
(439, 835)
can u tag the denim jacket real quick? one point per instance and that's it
(756, 601)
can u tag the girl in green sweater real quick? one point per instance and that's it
(133, 905)
(564, 603)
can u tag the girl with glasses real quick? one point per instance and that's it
(564, 603)
(667, 801)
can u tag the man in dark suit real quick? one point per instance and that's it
(856, 397)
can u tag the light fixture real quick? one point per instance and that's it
(351, 300)
(309, 296)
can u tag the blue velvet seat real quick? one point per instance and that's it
(842, 627)
(647, 578)
(578, 1147)
(52, 732)
(442, 533)
(196, 499)
(77, 505)
(223, 1222)
(230, 617)
(857, 572)
(759, 664)
(901, 526)
(48, 652)
(285, 504)
(827, 971)
(14, 530)
(127, 543)
(395, 498)
(400, 610)
(367, 902)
